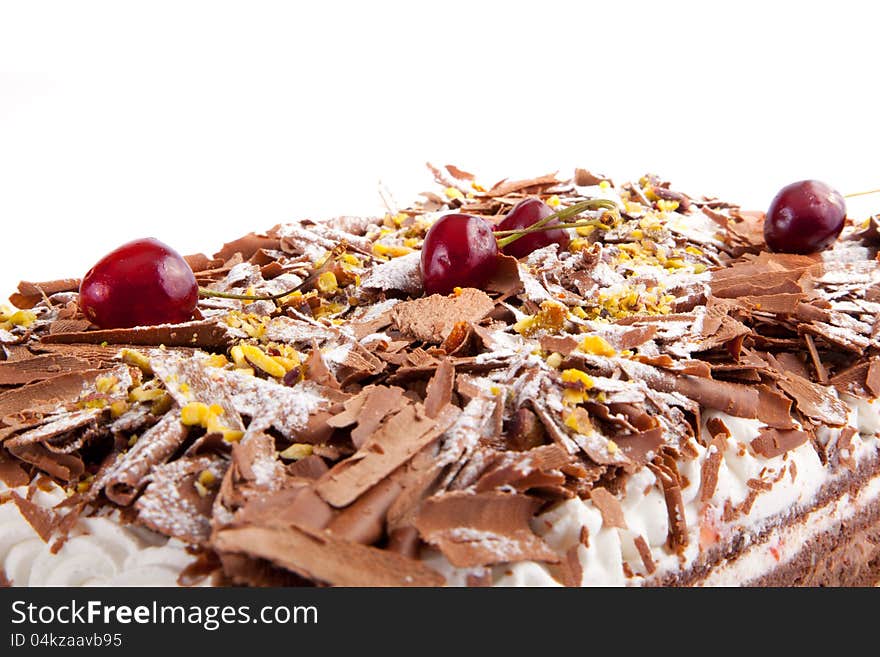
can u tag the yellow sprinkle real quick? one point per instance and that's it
(132, 440)
(637, 234)
(577, 376)
(162, 405)
(287, 363)
(554, 201)
(207, 478)
(136, 358)
(579, 421)
(612, 447)
(296, 452)
(390, 251)
(453, 193)
(117, 408)
(572, 397)
(411, 242)
(194, 414)
(349, 259)
(635, 209)
(584, 231)
(604, 184)
(699, 268)
(551, 317)
(217, 360)
(200, 489)
(327, 282)
(596, 344)
(105, 384)
(238, 357)
(185, 390)
(578, 245)
(232, 436)
(141, 394)
(554, 360)
(22, 318)
(457, 291)
(260, 359)
(693, 250)
(667, 205)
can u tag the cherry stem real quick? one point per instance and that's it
(541, 229)
(870, 191)
(566, 213)
(337, 251)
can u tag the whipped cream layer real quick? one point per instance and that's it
(99, 552)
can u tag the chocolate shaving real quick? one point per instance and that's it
(53, 391)
(505, 278)
(535, 468)
(843, 448)
(640, 447)
(171, 503)
(155, 446)
(207, 334)
(771, 443)
(821, 372)
(368, 410)
(483, 529)
(320, 557)
(38, 368)
(247, 246)
(390, 446)
(872, 379)
(65, 467)
(40, 518)
(69, 325)
(609, 507)
(439, 390)
(11, 473)
(505, 187)
(563, 345)
(569, 571)
(310, 467)
(710, 468)
(364, 521)
(30, 294)
(645, 553)
(297, 505)
(667, 473)
(432, 318)
(813, 400)
(584, 178)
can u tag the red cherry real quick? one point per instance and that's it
(141, 283)
(459, 251)
(525, 214)
(804, 217)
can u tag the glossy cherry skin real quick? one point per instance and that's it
(804, 217)
(141, 283)
(459, 251)
(525, 214)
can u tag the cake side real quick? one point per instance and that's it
(662, 401)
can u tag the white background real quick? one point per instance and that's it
(198, 122)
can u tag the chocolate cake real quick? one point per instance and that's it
(649, 396)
